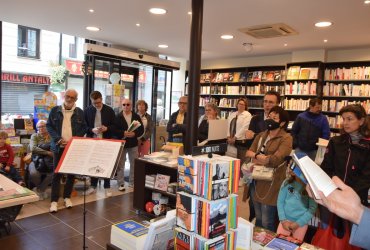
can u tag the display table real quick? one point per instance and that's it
(12, 198)
(143, 194)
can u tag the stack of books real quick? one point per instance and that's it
(150, 180)
(206, 205)
(129, 235)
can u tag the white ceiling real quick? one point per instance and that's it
(117, 19)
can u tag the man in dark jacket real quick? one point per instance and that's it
(122, 123)
(64, 121)
(100, 122)
(177, 123)
(309, 127)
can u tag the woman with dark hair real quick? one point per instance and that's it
(348, 157)
(269, 149)
(144, 139)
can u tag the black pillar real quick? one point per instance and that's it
(194, 75)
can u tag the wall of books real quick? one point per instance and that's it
(225, 86)
(206, 204)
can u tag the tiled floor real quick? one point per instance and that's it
(36, 229)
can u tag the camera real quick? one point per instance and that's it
(141, 56)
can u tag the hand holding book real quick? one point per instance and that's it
(130, 131)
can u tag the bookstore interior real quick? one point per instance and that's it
(273, 126)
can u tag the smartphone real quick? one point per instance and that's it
(298, 172)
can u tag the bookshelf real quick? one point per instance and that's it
(303, 82)
(143, 194)
(345, 83)
(225, 86)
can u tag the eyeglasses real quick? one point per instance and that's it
(125, 104)
(183, 103)
(70, 97)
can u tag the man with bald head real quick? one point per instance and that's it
(64, 121)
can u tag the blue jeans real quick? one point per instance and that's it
(266, 215)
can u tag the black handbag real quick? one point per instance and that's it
(43, 164)
(243, 143)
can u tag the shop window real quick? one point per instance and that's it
(28, 42)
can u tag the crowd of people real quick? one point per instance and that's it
(281, 204)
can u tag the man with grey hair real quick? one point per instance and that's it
(64, 121)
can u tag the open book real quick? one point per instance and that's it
(315, 176)
(91, 157)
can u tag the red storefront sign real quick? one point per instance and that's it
(74, 67)
(25, 78)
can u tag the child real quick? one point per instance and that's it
(6, 160)
(295, 207)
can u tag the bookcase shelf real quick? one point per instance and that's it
(345, 83)
(160, 191)
(220, 86)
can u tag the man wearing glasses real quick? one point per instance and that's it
(122, 122)
(64, 121)
(176, 125)
(256, 126)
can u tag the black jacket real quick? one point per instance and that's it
(120, 126)
(257, 125)
(173, 128)
(350, 162)
(107, 119)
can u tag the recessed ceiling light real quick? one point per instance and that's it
(227, 37)
(323, 24)
(189, 13)
(285, 44)
(92, 28)
(138, 24)
(91, 10)
(367, 2)
(325, 40)
(158, 11)
(163, 46)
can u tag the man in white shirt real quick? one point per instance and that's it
(64, 121)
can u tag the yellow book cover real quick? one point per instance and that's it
(304, 73)
(293, 72)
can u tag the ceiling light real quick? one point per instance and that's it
(163, 46)
(285, 44)
(138, 24)
(325, 40)
(189, 13)
(227, 37)
(158, 11)
(323, 24)
(367, 2)
(92, 28)
(91, 10)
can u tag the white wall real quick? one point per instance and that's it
(49, 51)
(339, 55)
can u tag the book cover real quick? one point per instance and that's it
(306, 246)
(262, 236)
(270, 76)
(304, 73)
(243, 77)
(220, 189)
(187, 183)
(185, 211)
(132, 228)
(28, 124)
(277, 75)
(314, 73)
(161, 182)
(236, 77)
(216, 243)
(217, 217)
(278, 244)
(257, 76)
(183, 239)
(293, 72)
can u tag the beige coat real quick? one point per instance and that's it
(277, 148)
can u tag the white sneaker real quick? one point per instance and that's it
(53, 207)
(122, 187)
(108, 192)
(90, 190)
(68, 202)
